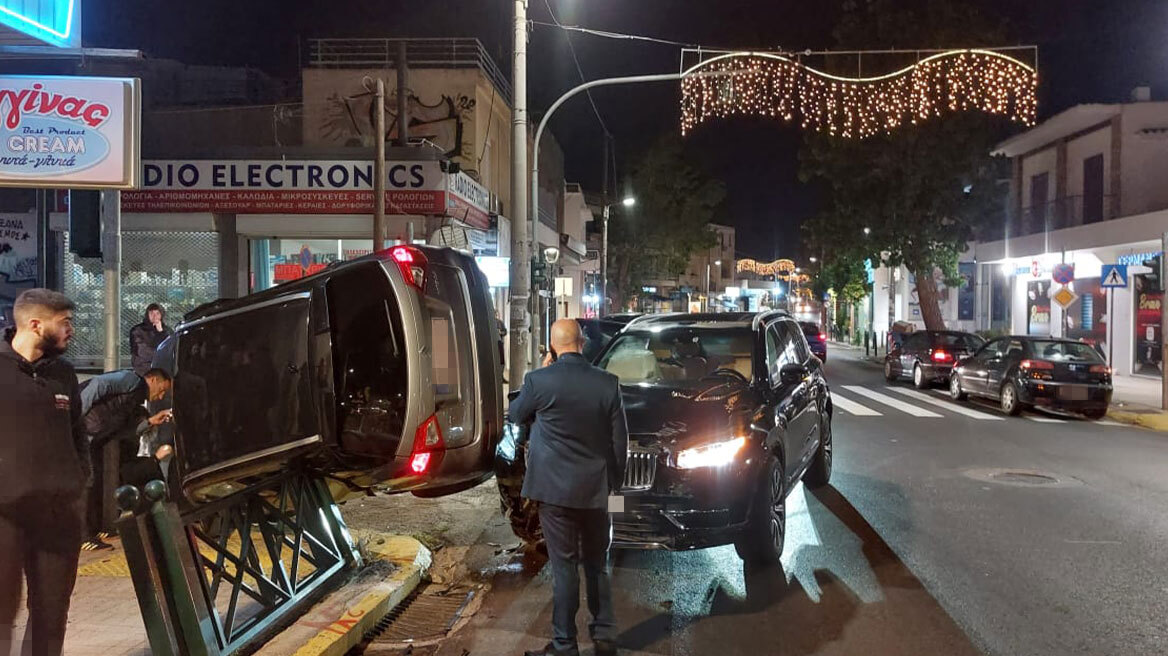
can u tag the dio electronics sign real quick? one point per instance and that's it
(69, 132)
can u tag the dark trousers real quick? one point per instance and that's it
(39, 539)
(579, 537)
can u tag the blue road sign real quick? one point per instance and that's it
(1063, 273)
(1113, 275)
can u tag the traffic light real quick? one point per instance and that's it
(539, 273)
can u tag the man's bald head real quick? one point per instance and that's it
(566, 336)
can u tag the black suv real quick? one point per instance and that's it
(726, 413)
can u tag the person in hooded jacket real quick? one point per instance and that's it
(42, 466)
(145, 338)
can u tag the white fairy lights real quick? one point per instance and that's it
(767, 84)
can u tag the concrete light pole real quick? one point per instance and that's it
(627, 202)
(520, 258)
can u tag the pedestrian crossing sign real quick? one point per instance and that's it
(1114, 275)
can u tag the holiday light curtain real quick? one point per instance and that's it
(767, 84)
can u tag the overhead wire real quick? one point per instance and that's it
(579, 69)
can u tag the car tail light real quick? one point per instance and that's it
(823, 337)
(941, 355)
(412, 264)
(1100, 369)
(1036, 364)
(428, 445)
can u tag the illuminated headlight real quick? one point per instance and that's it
(718, 454)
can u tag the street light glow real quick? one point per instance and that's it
(717, 262)
(629, 201)
(814, 259)
(867, 230)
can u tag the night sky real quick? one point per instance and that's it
(1090, 51)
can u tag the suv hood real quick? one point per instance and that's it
(684, 416)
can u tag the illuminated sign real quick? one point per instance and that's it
(69, 132)
(56, 22)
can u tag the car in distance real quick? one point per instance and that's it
(726, 413)
(927, 356)
(1023, 372)
(816, 339)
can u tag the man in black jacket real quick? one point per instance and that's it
(41, 466)
(145, 338)
(579, 447)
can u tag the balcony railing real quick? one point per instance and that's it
(420, 53)
(1063, 213)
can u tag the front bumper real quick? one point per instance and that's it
(1072, 397)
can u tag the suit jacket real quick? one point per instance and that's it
(579, 440)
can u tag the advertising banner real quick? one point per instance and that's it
(18, 260)
(69, 132)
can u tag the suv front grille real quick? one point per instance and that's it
(640, 471)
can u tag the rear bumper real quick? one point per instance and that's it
(1074, 397)
(936, 372)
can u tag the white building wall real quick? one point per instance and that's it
(1144, 157)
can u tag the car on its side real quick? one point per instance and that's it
(726, 414)
(816, 339)
(927, 356)
(1023, 372)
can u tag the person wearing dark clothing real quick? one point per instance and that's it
(113, 408)
(145, 338)
(576, 458)
(42, 467)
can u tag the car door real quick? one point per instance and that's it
(781, 399)
(975, 370)
(806, 394)
(997, 368)
(911, 351)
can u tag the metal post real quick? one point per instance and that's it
(111, 260)
(1111, 329)
(403, 108)
(43, 233)
(604, 261)
(520, 256)
(379, 166)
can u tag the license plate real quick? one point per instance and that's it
(1073, 392)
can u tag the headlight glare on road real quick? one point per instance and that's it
(717, 454)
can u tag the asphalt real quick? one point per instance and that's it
(962, 533)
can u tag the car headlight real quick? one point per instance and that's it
(718, 454)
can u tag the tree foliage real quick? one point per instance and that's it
(676, 202)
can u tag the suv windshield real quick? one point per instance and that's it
(678, 356)
(1065, 352)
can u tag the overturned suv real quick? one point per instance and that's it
(380, 373)
(726, 413)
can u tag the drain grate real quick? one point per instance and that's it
(427, 615)
(1022, 477)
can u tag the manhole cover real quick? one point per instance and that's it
(1021, 477)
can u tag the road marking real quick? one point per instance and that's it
(1108, 422)
(968, 412)
(852, 407)
(1045, 420)
(891, 402)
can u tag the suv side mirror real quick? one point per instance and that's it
(791, 374)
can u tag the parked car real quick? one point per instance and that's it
(726, 413)
(1021, 372)
(623, 317)
(927, 356)
(382, 371)
(597, 334)
(816, 339)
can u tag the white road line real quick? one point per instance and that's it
(1108, 422)
(891, 402)
(948, 405)
(1045, 420)
(851, 407)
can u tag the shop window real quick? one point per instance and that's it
(1038, 308)
(1148, 294)
(1087, 317)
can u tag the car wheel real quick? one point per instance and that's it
(762, 541)
(1009, 400)
(1096, 414)
(955, 391)
(888, 371)
(919, 379)
(819, 473)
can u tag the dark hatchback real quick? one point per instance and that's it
(816, 339)
(726, 413)
(927, 356)
(1022, 372)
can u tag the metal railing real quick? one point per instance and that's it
(1062, 213)
(420, 54)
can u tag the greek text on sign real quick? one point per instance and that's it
(73, 132)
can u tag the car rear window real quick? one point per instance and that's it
(1065, 352)
(809, 329)
(959, 340)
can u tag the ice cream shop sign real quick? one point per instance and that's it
(72, 132)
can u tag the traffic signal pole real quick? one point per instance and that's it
(520, 259)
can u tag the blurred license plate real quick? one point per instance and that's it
(1073, 392)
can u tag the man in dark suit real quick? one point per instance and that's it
(577, 455)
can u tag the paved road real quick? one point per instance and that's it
(915, 549)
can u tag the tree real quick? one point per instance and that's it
(922, 190)
(675, 204)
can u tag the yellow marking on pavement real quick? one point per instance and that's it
(115, 564)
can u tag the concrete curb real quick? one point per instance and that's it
(1157, 421)
(340, 621)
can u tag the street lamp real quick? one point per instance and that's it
(867, 230)
(628, 201)
(708, 294)
(814, 259)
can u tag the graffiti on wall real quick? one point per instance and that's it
(348, 120)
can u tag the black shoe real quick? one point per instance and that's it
(95, 544)
(604, 648)
(550, 650)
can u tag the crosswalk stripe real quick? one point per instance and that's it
(891, 402)
(1045, 420)
(854, 408)
(953, 407)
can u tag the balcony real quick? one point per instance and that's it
(1063, 213)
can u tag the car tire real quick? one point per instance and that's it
(1009, 399)
(765, 535)
(819, 473)
(919, 379)
(955, 391)
(888, 375)
(1095, 414)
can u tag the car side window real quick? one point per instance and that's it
(1015, 350)
(992, 350)
(774, 351)
(915, 342)
(800, 353)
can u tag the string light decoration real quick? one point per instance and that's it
(776, 86)
(779, 268)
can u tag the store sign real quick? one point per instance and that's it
(72, 132)
(56, 22)
(300, 187)
(1136, 259)
(18, 248)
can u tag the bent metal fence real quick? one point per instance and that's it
(228, 574)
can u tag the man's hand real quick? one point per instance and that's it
(547, 359)
(164, 452)
(158, 325)
(161, 417)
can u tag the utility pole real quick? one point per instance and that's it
(111, 265)
(379, 165)
(403, 84)
(520, 258)
(604, 258)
